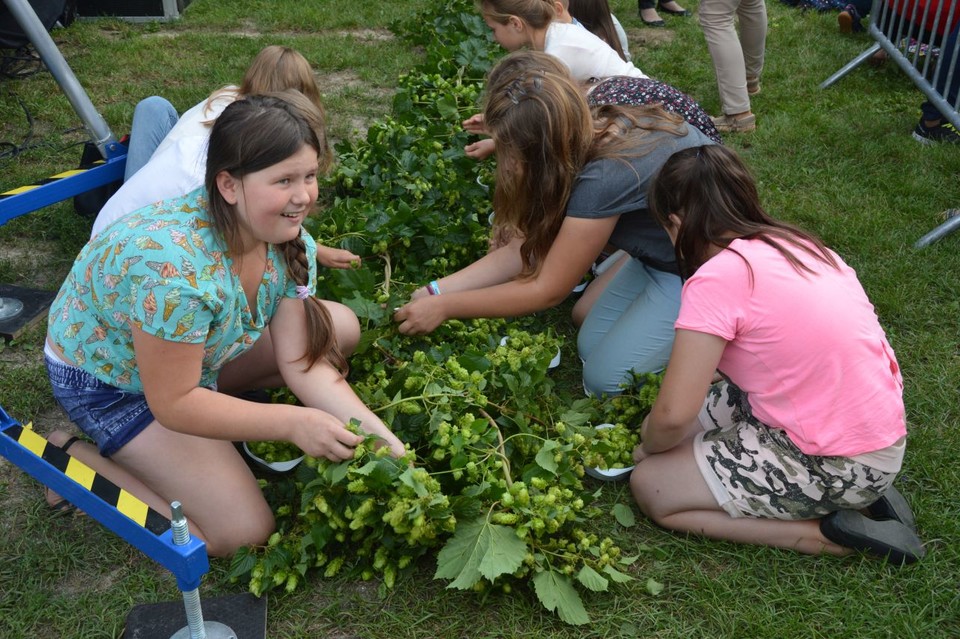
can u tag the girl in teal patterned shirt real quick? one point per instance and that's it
(165, 302)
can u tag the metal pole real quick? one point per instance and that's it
(96, 126)
(196, 627)
(952, 224)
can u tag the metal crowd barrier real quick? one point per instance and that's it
(923, 56)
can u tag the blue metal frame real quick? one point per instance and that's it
(81, 181)
(188, 562)
(30, 199)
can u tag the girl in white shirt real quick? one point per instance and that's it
(532, 24)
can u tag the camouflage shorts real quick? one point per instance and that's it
(754, 470)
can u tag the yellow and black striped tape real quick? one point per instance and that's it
(52, 178)
(100, 486)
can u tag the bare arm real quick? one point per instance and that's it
(486, 288)
(322, 386)
(475, 124)
(170, 372)
(482, 149)
(689, 373)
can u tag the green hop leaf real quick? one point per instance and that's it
(654, 587)
(624, 515)
(479, 549)
(556, 593)
(592, 580)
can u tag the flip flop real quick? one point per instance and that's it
(64, 508)
(888, 538)
(893, 505)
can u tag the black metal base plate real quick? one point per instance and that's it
(245, 614)
(35, 306)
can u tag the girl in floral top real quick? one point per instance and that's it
(165, 302)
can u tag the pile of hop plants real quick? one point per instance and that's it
(492, 487)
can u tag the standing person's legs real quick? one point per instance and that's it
(717, 21)
(629, 328)
(648, 13)
(153, 118)
(752, 15)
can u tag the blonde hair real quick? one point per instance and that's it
(536, 13)
(277, 68)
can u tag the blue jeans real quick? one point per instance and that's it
(629, 328)
(108, 415)
(153, 118)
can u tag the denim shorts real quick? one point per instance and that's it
(105, 413)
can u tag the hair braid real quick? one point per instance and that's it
(320, 332)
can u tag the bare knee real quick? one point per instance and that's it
(646, 493)
(226, 538)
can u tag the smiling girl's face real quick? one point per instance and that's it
(272, 203)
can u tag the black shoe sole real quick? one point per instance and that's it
(890, 539)
(893, 505)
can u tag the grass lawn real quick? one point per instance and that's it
(839, 162)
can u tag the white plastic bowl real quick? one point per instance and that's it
(553, 362)
(609, 474)
(277, 467)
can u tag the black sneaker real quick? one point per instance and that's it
(943, 132)
(888, 538)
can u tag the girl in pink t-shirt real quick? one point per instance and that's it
(807, 427)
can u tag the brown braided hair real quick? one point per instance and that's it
(252, 134)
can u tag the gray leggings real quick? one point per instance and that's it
(629, 328)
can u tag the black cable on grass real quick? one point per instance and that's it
(15, 65)
(10, 150)
(20, 63)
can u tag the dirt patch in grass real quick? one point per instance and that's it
(250, 30)
(639, 38)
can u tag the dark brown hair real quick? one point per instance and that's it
(250, 135)
(596, 17)
(711, 191)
